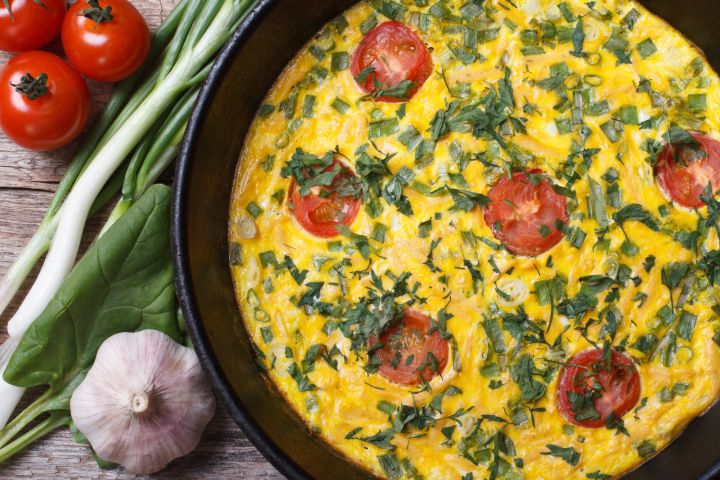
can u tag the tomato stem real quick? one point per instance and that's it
(33, 88)
(6, 3)
(96, 13)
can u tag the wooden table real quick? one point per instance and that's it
(27, 182)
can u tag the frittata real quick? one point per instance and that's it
(478, 239)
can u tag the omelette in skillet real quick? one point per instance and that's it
(479, 239)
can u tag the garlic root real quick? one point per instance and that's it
(145, 401)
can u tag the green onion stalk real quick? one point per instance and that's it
(40, 242)
(144, 122)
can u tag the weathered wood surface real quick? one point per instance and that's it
(27, 181)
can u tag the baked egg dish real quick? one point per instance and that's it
(478, 239)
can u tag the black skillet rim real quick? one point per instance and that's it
(275, 455)
(254, 433)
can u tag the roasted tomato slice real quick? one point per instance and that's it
(683, 170)
(408, 354)
(322, 209)
(523, 211)
(394, 53)
(589, 391)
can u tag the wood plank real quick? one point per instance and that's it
(27, 180)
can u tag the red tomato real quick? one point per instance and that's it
(684, 176)
(44, 103)
(410, 338)
(29, 25)
(395, 53)
(616, 389)
(107, 44)
(522, 215)
(322, 210)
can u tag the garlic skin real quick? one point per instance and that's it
(145, 401)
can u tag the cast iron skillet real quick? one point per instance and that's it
(266, 41)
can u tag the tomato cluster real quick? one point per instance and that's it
(44, 102)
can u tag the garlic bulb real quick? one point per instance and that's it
(145, 401)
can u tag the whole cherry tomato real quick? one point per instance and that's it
(29, 24)
(105, 40)
(44, 103)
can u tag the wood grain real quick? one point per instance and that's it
(27, 180)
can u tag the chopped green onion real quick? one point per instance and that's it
(410, 137)
(265, 110)
(646, 48)
(593, 80)
(368, 24)
(697, 102)
(254, 209)
(532, 50)
(611, 130)
(339, 61)
(564, 125)
(565, 34)
(629, 115)
(378, 233)
(593, 58)
(340, 105)
(529, 37)
(309, 106)
(566, 12)
(631, 19)
(383, 128)
(598, 108)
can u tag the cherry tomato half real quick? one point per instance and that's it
(395, 53)
(410, 338)
(44, 103)
(107, 44)
(323, 209)
(588, 391)
(683, 170)
(523, 211)
(30, 24)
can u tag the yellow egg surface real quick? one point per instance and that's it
(580, 98)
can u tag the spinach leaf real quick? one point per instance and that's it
(124, 283)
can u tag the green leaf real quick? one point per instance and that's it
(303, 383)
(583, 405)
(686, 325)
(391, 466)
(522, 373)
(710, 265)
(645, 448)
(466, 200)
(635, 212)
(598, 475)
(673, 273)
(123, 284)
(569, 454)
